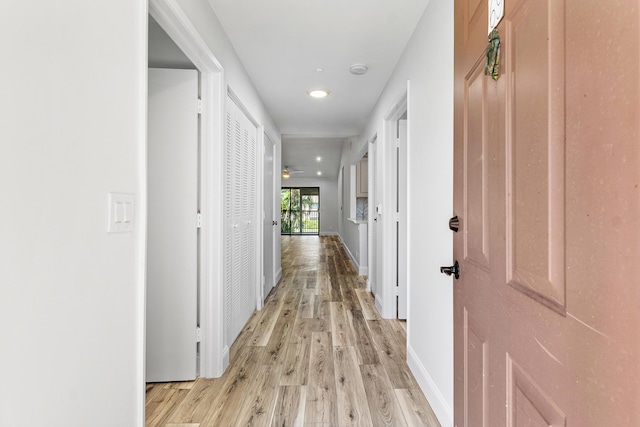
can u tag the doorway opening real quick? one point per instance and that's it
(187, 42)
(300, 211)
(172, 253)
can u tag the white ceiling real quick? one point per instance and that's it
(301, 153)
(282, 42)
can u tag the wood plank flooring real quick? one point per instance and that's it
(318, 354)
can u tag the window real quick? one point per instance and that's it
(300, 210)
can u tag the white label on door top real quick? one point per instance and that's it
(496, 12)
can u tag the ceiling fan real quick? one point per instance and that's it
(288, 171)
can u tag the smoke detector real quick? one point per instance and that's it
(358, 69)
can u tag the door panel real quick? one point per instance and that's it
(546, 188)
(268, 223)
(535, 66)
(374, 243)
(241, 216)
(476, 247)
(529, 404)
(402, 219)
(172, 234)
(475, 368)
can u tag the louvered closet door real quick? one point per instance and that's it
(240, 221)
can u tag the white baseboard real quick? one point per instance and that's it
(438, 403)
(353, 259)
(225, 358)
(329, 233)
(378, 301)
(278, 277)
(363, 271)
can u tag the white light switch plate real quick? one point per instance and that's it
(121, 212)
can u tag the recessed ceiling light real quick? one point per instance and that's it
(319, 173)
(319, 158)
(319, 69)
(318, 93)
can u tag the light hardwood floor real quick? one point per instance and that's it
(318, 354)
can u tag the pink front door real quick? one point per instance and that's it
(547, 189)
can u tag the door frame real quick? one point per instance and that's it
(386, 283)
(372, 278)
(213, 359)
(260, 132)
(265, 204)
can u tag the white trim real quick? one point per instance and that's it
(408, 172)
(387, 150)
(277, 277)
(330, 233)
(275, 201)
(362, 270)
(399, 108)
(140, 233)
(353, 259)
(260, 139)
(378, 301)
(177, 25)
(371, 262)
(438, 403)
(236, 99)
(225, 355)
(212, 362)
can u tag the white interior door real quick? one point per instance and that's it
(172, 232)
(269, 223)
(241, 216)
(402, 218)
(375, 246)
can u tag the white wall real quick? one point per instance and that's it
(427, 64)
(73, 129)
(208, 26)
(328, 200)
(206, 22)
(351, 154)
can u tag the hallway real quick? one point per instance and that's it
(318, 354)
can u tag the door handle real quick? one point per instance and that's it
(274, 222)
(453, 270)
(454, 224)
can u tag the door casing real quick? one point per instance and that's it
(269, 236)
(386, 183)
(212, 358)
